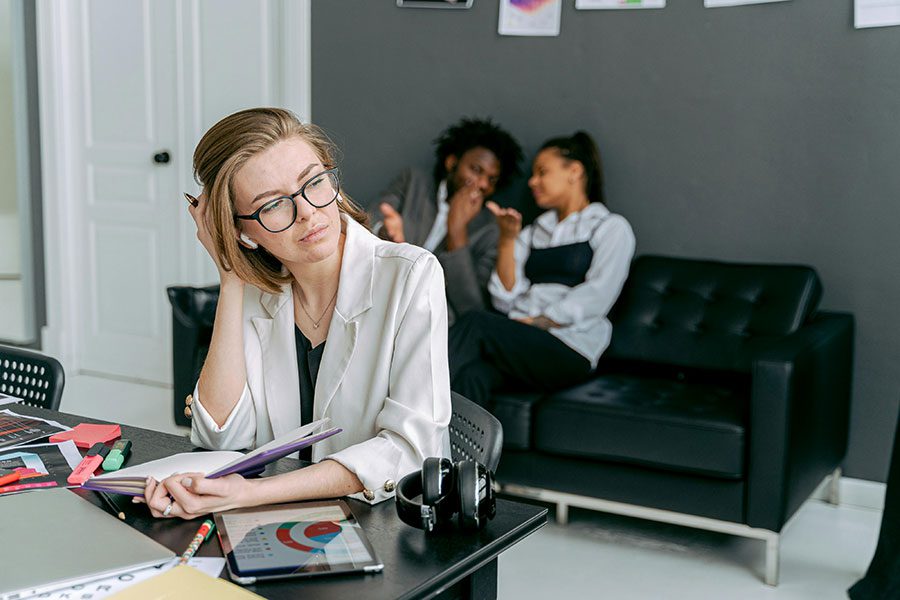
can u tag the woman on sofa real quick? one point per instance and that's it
(555, 281)
(316, 318)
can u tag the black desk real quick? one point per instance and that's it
(454, 564)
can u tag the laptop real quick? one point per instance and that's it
(55, 538)
(301, 539)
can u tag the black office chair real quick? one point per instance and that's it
(35, 378)
(475, 434)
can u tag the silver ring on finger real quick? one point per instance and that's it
(168, 509)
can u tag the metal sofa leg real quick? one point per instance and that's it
(834, 488)
(773, 548)
(562, 513)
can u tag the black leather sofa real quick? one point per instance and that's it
(722, 402)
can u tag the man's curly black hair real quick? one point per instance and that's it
(473, 133)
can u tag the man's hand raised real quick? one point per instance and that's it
(392, 223)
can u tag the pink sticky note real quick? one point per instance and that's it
(86, 435)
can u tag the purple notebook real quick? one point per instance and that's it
(217, 463)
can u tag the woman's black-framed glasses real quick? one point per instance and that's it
(280, 213)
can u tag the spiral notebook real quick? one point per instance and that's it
(218, 463)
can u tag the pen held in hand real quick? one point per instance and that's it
(202, 534)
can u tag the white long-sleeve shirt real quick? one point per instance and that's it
(581, 310)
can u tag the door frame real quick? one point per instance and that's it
(61, 107)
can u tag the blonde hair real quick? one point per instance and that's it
(221, 153)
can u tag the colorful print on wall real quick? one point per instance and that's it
(618, 4)
(529, 17)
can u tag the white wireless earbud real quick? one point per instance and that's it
(339, 197)
(250, 243)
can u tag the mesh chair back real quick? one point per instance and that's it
(35, 378)
(475, 434)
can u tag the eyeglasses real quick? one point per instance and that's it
(280, 213)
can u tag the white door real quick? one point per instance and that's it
(129, 244)
(147, 77)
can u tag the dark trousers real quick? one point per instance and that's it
(882, 580)
(489, 352)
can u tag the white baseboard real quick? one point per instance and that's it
(860, 493)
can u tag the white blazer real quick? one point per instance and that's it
(383, 378)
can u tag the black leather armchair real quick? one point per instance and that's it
(721, 403)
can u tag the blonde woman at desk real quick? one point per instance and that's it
(316, 318)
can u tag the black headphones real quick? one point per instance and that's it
(447, 488)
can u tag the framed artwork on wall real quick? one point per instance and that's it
(434, 3)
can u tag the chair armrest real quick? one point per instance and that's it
(193, 314)
(799, 416)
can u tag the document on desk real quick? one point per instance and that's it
(39, 466)
(214, 464)
(16, 429)
(184, 583)
(55, 538)
(97, 589)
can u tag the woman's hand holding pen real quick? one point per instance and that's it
(197, 208)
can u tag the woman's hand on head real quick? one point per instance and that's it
(192, 495)
(508, 219)
(201, 219)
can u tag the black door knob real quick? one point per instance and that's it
(161, 157)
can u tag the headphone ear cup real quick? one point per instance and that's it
(467, 485)
(431, 481)
(476, 494)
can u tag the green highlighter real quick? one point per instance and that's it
(117, 455)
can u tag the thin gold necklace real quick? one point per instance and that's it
(309, 316)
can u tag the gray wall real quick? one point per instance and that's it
(759, 133)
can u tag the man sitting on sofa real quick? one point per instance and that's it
(445, 212)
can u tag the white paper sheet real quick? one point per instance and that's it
(185, 462)
(618, 4)
(718, 3)
(102, 588)
(4, 399)
(876, 13)
(529, 17)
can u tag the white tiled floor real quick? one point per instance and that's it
(824, 548)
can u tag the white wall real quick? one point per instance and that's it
(9, 231)
(7, 133)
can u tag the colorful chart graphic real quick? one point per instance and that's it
(307, 537)
(530, 5)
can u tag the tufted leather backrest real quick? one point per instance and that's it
(708, 314)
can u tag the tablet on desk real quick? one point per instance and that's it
(294, 540)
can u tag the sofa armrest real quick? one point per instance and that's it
(799, 416)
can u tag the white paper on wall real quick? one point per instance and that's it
(718, 3)
(876, 13)
(618, 4)
(529, 17)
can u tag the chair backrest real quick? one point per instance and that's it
(475, 434)
(193, 314)
(35, 378)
